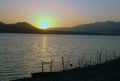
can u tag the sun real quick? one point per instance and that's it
(45, 22)
(44, 25)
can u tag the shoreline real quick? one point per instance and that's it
(107, 71)
(63, 34)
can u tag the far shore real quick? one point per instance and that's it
(60, 34)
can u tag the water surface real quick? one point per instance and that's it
(22, 54)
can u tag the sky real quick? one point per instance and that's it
(59, 13)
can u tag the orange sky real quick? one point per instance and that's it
(59, 13)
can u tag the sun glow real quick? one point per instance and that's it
(45, 21)
(44, 25)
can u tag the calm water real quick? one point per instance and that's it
(22, 54)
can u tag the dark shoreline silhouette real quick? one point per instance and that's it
(107, 71)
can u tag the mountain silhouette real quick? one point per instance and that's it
(108, 27)
(98, 28)
(23, 27)
(20, 27)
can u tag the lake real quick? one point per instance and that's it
(22, 54)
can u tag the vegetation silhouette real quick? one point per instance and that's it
(109, 70)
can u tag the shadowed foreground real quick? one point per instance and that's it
(108, 71)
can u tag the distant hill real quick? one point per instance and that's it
(23, 27)
(20, 27)
(98, 28)
(108, 27)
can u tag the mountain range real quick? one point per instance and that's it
(108, 27)
(97, 28)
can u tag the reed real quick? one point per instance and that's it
(63, 63)
(115, 55)
(51, 66)
(101, 56)
(42, 66)
(86, 71)
(106, 55)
